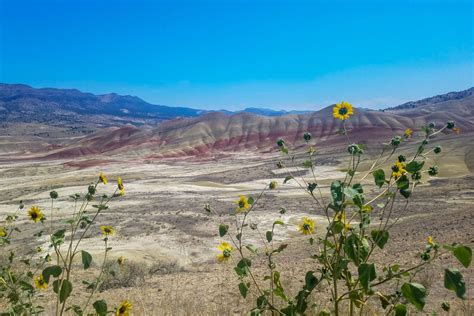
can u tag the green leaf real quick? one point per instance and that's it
(58, 237)
(414, 166)
(25, 286)
(367, 274)
(379, 177)
(243, 289)
(288, 178)
(405, 193)
(54, 271)
(356, 248)
(310, 281)
(280, 248)
(463, 254)
(251, 248)
(415, 293)
(223, 228)
(100, 307)
(380, 237)
(86, 259)
(401, 310)
(350, 192)
(269, 236)
(308, 164)
(56, 286)
(278, 222)
(250, 200)
(336, 193)
(66, 289)
(453, 280)
(403, 183)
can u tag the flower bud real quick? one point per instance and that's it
(416, 176)
(431, 125)
(433, 171)
(437, 149)
(280, 142)
(354, 149)
(53, 194)
(450, 124)
(91, 190)
(395, 141)
(307, 136)
(445, 306)
(402, 158)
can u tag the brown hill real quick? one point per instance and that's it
(216, 133)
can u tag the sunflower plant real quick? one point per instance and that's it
(356, 226)
(28, 276)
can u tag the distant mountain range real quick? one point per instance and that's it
(218, 133)
(129, 125)
(22, 103)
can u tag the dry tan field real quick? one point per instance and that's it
(169, 241)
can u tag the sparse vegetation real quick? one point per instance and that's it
(345, 275)
(356, 227)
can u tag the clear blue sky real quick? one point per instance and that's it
(234, 54)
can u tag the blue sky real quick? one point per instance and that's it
(235, 54)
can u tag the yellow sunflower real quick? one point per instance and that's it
(124, 309)
(273, 185)
(408, 133)
(398, 169)
(430, 241)
(243, 204)
(3, 232)
(306, 227)
(342, 111)
(40, 282)
(35, 214)
(121, 260)
(107, 230)
(102, 178)
(341, 217)
(120, 186)
(226, 249)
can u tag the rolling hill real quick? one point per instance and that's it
(217, 133)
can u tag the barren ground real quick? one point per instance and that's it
(161, 223)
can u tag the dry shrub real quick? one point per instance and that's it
(128, 274)
(165, 267)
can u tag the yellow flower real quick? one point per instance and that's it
(398, 169)
(40, 283)
(124, 309)
(3, 232)
(273, 185)
(226, 249)
(430, 241)
(102, 178)
(120, 186)
(35, 214)
(342, 111)
(107, 230)
(341, 217)
(408, 133)
(243, 204)
(307, 226)
(121, 260)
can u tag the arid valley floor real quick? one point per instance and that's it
(164, 232)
